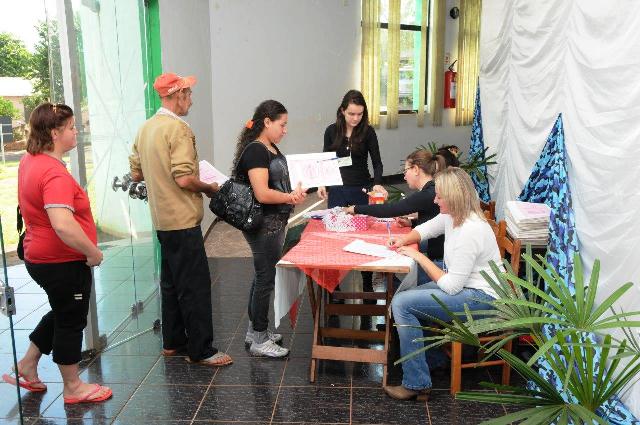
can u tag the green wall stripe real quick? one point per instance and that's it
(151, 46)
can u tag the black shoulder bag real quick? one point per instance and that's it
(236, 204)
(21, 235)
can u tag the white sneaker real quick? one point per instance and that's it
(268, 349)
(248, 339)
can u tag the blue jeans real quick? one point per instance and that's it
(266, 246)
(423, 277)
(415, 305)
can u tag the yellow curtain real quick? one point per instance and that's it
(436, 90)
(393, 73)
(370, 71)
(423, 62)
(468, 60)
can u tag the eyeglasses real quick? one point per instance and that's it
(407, 169)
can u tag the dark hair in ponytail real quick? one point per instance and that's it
(358, 133)
(271, 109)
(430, 163)
(449, 157)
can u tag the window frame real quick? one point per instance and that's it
(413, 28)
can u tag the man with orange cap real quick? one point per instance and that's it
(165, 157)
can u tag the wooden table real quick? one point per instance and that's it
(322, 308)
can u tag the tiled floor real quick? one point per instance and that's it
(150, 389)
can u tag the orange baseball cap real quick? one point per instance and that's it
(169, 83)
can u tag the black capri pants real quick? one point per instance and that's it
(68, 286)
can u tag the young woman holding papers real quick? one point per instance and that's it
(353, 140)
(470, 246)
(259, 161)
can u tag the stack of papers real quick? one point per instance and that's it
(210, 174)
(528, 222)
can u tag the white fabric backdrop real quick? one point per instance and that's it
(580, 58)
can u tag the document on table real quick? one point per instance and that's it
(314, 169)
(375, 250)
(210, 174)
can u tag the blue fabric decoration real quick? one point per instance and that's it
(549, 184)
(476, 149)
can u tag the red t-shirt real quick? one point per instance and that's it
(44, 182)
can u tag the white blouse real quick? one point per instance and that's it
(468, 249)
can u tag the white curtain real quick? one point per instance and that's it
(579, 58)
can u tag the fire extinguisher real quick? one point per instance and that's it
(450, 87)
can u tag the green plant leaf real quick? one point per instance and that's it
(521, 415)
(585, 415)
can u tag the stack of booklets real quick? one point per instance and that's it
(528, 222)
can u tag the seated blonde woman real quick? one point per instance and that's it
(468, 248)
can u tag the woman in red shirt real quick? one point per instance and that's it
(60, 249)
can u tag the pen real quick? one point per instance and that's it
(389, 229)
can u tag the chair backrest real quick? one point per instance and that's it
(506, 245)
(494, 226)
(489, 209)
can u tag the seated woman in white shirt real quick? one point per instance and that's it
(469, 246)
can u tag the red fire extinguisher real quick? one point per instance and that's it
(450, 87)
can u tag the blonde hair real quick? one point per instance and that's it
(455, 187)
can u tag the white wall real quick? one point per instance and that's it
(301, 53)
(305, 54)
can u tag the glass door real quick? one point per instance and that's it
(10, 401)
(105, 78)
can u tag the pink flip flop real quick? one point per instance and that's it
(24, 383)
(87, 397)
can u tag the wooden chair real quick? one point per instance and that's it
(505, 245)
(489, 208)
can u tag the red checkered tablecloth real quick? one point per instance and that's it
(320, 254)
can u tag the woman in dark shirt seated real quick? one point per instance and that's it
(419, 169)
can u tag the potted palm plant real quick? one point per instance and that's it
(585, 354)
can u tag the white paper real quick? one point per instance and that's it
(314, 170)
(359, 246)
(316, 213)
(210, 174)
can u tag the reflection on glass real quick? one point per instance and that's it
(109, 103)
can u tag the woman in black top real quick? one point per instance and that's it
(353, 140)
(419, 169)
(259, 161)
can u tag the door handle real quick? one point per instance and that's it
(137, 190)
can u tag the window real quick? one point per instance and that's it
(410, 49)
